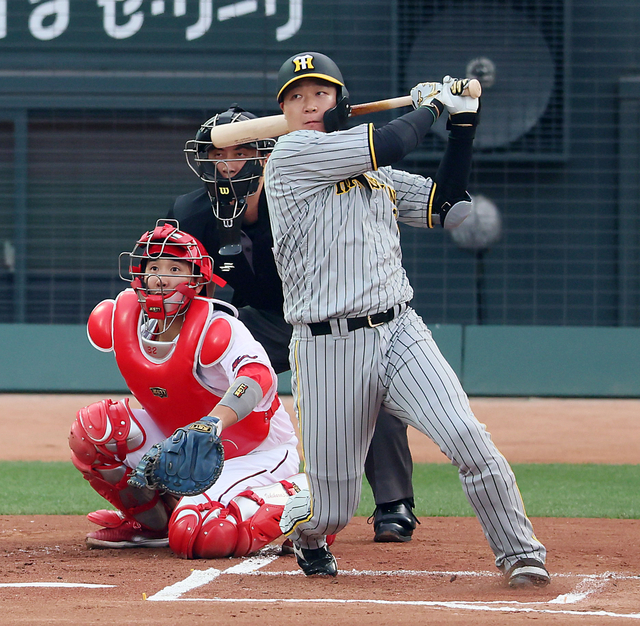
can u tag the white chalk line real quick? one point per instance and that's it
(401, 573)
(69, 585)
(470, 606)
(589, 584)
(198, 578)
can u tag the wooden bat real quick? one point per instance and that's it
(275, 125)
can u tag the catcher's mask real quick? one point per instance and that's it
(167, 241)
(228, 194)
(317, 65)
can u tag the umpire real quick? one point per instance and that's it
(229, 216)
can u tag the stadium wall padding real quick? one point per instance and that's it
(550, 361)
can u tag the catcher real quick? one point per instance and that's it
(211, 427)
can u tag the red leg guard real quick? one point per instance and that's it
(152, 513)
(202, 531)
(259, 530)
(111, 427)
(217, 537)
(101, 436)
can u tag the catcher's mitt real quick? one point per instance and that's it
(185, 464)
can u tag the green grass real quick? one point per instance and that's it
(547, 490)
(609, 491)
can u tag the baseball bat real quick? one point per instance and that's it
(275, 125)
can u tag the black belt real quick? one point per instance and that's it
(353, 323)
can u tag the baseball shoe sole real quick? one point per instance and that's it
(127, 534)
(528, 573)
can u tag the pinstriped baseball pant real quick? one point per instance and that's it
(339, 383)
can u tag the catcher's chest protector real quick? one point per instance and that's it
(169, 390)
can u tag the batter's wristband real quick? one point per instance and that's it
(243, 396)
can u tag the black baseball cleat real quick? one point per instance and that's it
(316, 562)
(394, 521)
(528, 573)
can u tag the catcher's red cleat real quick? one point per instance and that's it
(106, 517)
(125, 534)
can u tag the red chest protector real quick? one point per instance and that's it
(169, 391)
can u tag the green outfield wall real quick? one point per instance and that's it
(490, 360)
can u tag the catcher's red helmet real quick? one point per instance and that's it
(166, 240)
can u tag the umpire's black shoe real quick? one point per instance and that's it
(394, 521)
(316, 562)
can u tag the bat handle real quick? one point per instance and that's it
(473, 89)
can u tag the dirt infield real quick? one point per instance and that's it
(446, 574)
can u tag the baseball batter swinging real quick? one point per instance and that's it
(229, 216)
(334, 204)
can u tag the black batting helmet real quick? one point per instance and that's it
(317, 65)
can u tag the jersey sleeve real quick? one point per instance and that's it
(413, 194)
(314, 159)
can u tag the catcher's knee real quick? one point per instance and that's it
(259, 530)
(104, 431)
(202, 531)
(209, 530)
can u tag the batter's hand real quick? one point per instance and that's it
(451, 98)
(423, 94)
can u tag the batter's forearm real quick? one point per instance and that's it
(453, 173)
(393, 141)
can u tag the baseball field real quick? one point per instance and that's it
(445, 574)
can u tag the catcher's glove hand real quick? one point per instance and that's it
(185, 464)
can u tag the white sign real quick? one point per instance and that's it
(122, 19)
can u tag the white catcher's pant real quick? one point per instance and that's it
(256, 469)
(339, 383)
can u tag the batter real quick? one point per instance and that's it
(233, 187)
(334, 204)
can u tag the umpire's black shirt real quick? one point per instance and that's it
(253, 275)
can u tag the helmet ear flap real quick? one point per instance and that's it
(336, 118)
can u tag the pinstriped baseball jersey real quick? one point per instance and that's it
(317, 238)
(337, 250)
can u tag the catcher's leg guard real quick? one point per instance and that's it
(202, 531)
(208, 530)
(111, 428)
(103, 434)
(261, 510)
(260, 529)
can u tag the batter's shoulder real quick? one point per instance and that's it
(295, 141)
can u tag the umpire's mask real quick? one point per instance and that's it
(228, 184)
